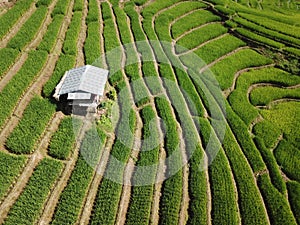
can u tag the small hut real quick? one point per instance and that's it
(81, 87)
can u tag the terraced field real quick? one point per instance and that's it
(200, 123)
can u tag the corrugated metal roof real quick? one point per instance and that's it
(87, 78)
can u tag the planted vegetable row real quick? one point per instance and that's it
(30, 128)
(71, 199)
(18, 84)
(29, 205)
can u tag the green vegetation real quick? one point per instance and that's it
(10, 167)
(276, 203)
(269, 138)
(266, 32)
(200, 36)
(64, 63)
(70, 43)
(191, 21)
(259, 38)
(265, 95)
(10, 56)
(78, 5)
(288, 158)
(50, 37)
(30, 128)
(8, 19)
(93, 13)
(29, 29)
(273, 25)
(61, 7)
(240, 60)
(224, 202)
(29, 205)
(63, 140)
(217, 48)
(71, 199)
(272, 166)
(141, 197)
(43, 2)
(18, 84)
(294, 198)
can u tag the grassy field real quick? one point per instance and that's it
(199, 123)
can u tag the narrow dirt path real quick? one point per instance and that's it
(38, 83)
(14, 30)
(80, 60)
(33, 161)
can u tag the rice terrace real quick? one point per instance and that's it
(150, 112)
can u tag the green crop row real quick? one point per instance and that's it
(277, 206)
(61, 7)
(162, 22)
(267, 32)
(191, 21)
(71, 199)
(224, 10)
(273, 25)
(29, 29)
(70, 43)
(139, 210)
(10, 168)
(43, 3)
(265, 95)
(10, 55)
(123, 28)
(64, 63)
(224, 202)
(109, 192)
(78, 5)
(272, 166)
(200, 36)
(63, 140)
(111, 44)
(240, 60)
(294, 51)
(294, 198)
(8, 19)
(172, 187)
(238, 98)
(153, 8)
(29, 205)
(50, 37)
(18, 84)
(93, 13)
(269, 138)
(250, 204)
(35, 119)
(244, 139)
(92, 49)
(217, 48)
(259, 38)
(288, 158)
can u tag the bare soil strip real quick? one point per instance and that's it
(35, 158)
